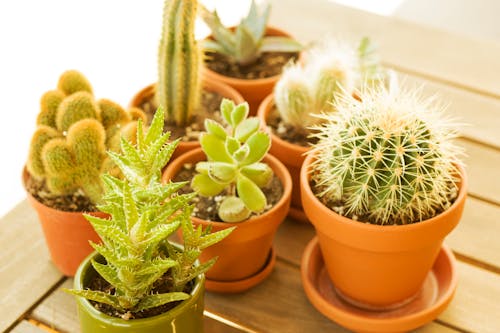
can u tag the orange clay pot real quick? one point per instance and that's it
(255, 90)
(245, 251)
(291, 155)
(67, 234)
(373, 266)
(208, 84)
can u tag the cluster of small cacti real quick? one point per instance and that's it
(234, 156)
(179, 60)
(329, 69)
(68, 148)
(387, 159)
(245, 44)
(144, 213)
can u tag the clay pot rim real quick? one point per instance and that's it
(275, 164)
(270, 30)
(262, 113)
(369, 227)
(135, 323)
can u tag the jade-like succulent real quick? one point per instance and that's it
(68, 148)
(331, 68)
(387, 159)
(234, 163)
(179, 61)
(245, 44)
(144, 213)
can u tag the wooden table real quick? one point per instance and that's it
(463, 71)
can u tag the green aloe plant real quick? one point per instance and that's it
(144, 213)
(248, 40)
(234, 163)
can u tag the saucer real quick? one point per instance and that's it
(436, 293)
(231, 287)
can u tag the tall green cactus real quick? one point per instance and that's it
(387, 159)
(179, 60)
(68, 148)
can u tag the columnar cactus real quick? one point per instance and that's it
(233, 164)
(245, 44)
(329, 69)
(144, 213)
(179, 61)
(387, 159)
(74, 131)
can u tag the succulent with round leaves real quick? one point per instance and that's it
(179, 60)
(330, 68)
(387, 159)
(245, 44)
(68, 148)
(144, 213)
(234, 163)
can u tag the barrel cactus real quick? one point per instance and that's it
(329, 69)
(68, 148)
(387, 159)
(234, 163)
(179, 60)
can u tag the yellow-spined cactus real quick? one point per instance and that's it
(68, 148)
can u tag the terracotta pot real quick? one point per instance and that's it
(185, 317)
(245, 251)
(375, 266)
(291, 155)
(210, 85)
(253, 91)
(67, 234)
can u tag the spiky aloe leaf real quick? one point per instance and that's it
(151, 301)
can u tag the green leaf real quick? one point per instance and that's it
(241, 154)
(164, 156)
(129, 207)
(259, 144)
(209, 45)
(197, 270)
(250, 194)
(247, 48)
(280, 44)
(214, 238)
(240, 112)
(205, 186)
(257, 23)
(246, 128)
(260, 173)
(231, 145)
(108, 274)
(221, 34)
(222, 173)
(214, 148)
(226, 108)
(233, 209)
(215, 128)
(151, 301)
(156, 128)
(161, 232)
(131, 154)
(97, 296)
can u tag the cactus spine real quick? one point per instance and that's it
(387, 159)
(179, 60)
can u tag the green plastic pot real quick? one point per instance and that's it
(185, 317)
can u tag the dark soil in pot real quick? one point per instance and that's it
(163, 285)
(209, 108)
(75, 202)
(287, 132)
(267, 65)
(206, 207)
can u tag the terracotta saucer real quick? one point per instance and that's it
(435, 295)
(231, 287)
(298, 214)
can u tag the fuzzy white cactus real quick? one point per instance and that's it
(387, 159)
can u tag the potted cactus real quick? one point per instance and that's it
(250, 56)
(137, 280)
(65, 161)
(237, 184)
(308, 88)
(383, 187)
(188, 98)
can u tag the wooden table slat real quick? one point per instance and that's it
(26, 327)
(26, 272)
(430, 52)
